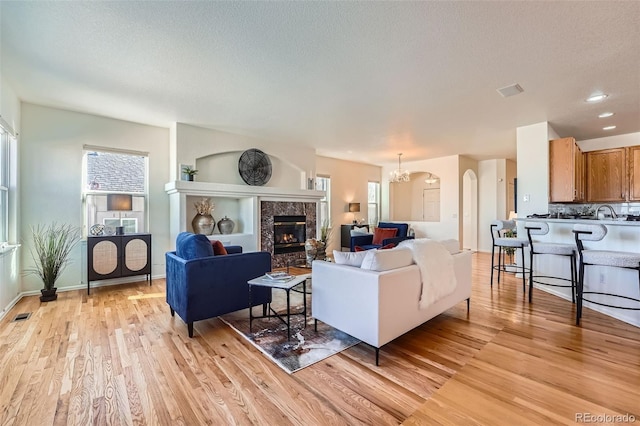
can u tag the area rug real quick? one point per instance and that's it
(306, 346)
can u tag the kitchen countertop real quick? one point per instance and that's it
(618, 222)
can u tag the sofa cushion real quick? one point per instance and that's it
(193, 246)
(385, 260)
(381, 234)
(349, 258)
(218, 248)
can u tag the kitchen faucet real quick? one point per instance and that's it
(613, 213)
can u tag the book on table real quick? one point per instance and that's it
(278, 276)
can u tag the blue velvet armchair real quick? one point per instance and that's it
(201, 285)
(366, 241)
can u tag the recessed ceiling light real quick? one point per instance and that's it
(596, 98)
(609, 128)
(605, 115)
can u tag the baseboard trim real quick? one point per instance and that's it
(10, 306)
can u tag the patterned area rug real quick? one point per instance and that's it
(306, 346)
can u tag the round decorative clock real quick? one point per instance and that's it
(254, 167)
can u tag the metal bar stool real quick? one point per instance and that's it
(548, 248)
(614, 259)
(498, 228)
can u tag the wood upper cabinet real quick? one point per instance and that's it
(566, 171)
(607, 175)
(634, 173)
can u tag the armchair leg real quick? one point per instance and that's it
(468, 302)
(377, 357)
(190, 328)
(264, 309)
(173, 313)
(315, 325)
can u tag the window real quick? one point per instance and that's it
(115, 189)
(373, 206)
(323, 183)
(4, 185)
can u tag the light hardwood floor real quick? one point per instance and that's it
(118, 357)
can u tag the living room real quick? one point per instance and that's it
(56, 118)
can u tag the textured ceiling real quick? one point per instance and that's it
(359, 80)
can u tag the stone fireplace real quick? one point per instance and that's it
(299, 224)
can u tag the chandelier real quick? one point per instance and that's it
(398, 176)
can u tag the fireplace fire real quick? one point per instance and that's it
(289, 234)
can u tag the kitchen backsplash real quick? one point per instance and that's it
(589, 209)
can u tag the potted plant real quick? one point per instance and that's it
(187, 170)
(510, 251)
(52, 245)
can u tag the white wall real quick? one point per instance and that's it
(10, 258)
(488, 210)
(533, 168)
(349, 184)
(215, 154)
(51, 176)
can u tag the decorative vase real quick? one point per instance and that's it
(203, 224)
(226, 225)
(48, 295)
(190, 178)
(315, 249)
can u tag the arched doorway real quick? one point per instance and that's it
(470, 210)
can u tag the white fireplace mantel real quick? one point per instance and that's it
(210, 189)
(242, 200)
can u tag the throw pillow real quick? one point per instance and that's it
(218, 248)
(381, 234)
(387, 247)
(193, 246)
(349, 258)
(385, 260)
(359, 249)
(356, 231)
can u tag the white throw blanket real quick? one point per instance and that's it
(436, 269)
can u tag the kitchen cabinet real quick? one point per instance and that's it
(566, 171)
(634, 173)
(607, 175)
(116, 256)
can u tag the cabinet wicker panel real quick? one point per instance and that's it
(118, 256)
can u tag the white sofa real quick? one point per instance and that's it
(377, 307)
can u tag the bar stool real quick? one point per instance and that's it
(498, 228)
(614, 259)
(548, 248)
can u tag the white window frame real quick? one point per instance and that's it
(7, 138)
(326, 200)
(87, 193)
(373, 205)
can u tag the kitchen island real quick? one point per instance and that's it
(621, 235)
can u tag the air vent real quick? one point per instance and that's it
(22, 317)
(512, 90)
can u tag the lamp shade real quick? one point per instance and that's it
(354, 207)
(119, 202)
